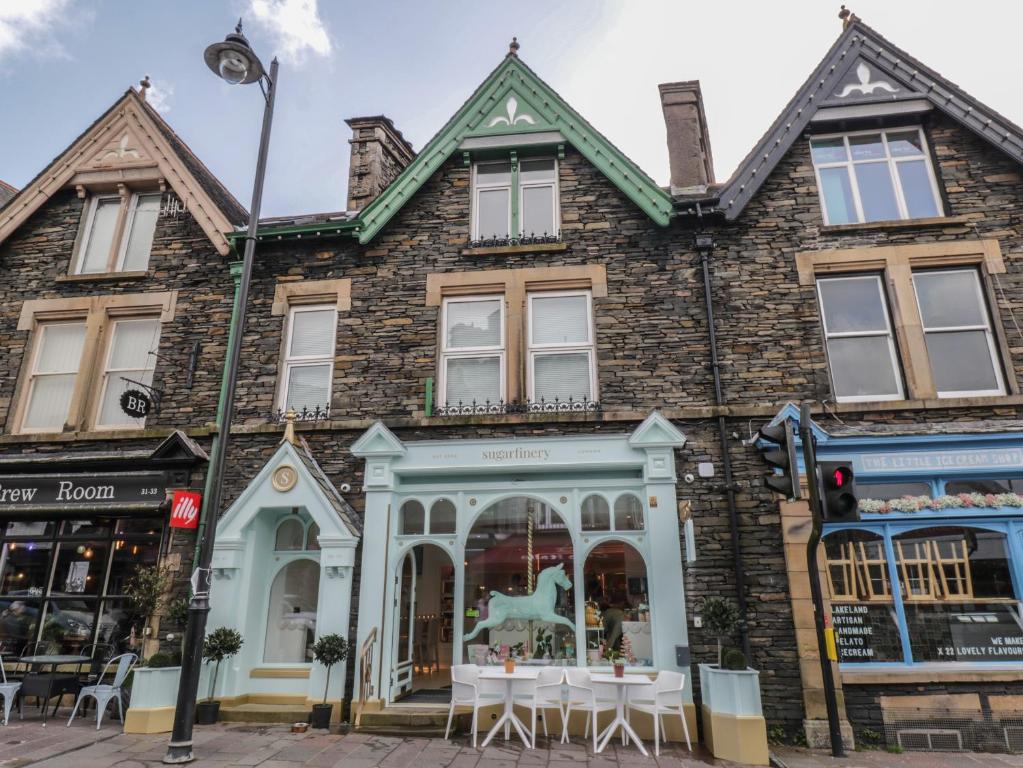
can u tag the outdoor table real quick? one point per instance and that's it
(621, 685)
(509, 716)
(53, 661)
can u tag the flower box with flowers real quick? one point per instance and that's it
(912, 504)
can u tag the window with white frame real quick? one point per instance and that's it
(130, 361)
(860, 344)
(472, 350)
(118, 233)
(560, 349)
(56, 356)
(875, 176)
(957, 330)
(515, 199)
(309, 358)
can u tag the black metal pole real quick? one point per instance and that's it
(813, 481)
(179, 750)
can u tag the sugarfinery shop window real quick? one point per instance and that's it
(117, 235)
(875, 176)
(560, 360)
(961, 350)
(54, 381)
(63, 582)
(308, 365)
(520, 559)
(515, 198)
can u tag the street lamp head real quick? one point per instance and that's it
(234, 60)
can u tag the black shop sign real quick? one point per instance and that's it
(81, 491)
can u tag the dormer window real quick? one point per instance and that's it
(118, 233)
(515, 198)
(875, 176)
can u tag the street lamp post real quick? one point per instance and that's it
(235, 62)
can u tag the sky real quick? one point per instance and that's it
(63, 62)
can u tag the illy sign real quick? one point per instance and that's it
(185, 509)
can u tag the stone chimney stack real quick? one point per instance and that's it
(379, 154)
(692, 167)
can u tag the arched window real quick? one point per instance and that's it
(595, 514)
(291, 617)
(617, 606)
(520, 548)
(628, 513)
(442, 516)
(411, 518)
(290, 535)
(312, 537)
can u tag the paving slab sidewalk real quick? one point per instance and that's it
(238, 745)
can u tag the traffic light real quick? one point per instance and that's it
(839, 503)
(783, 457)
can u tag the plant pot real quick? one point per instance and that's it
(509, 666)
(733, 692)
(619, 670)
(320, 716)
(207, 712)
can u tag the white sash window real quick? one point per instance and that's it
(472, 351)
(57, 355)
(309, 358)
(129, 361)
(561, 356)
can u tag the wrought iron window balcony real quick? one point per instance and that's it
(494, 241)
(499, 408)
(317, 413)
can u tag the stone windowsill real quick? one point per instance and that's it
(103, 277)
(510, 249)
(929, 673)
(868, 226)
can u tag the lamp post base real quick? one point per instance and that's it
(178, 753)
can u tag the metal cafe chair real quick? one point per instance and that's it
(99, 654)
(103, 692)
(8, 691)
(45, 686)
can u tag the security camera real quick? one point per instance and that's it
(688, 477)
(345, 488)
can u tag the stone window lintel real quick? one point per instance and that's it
(292, 293)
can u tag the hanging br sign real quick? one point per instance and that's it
(136, 403)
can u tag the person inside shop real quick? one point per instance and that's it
(16, 625)
(612, 611)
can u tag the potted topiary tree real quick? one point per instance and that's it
(328, 650)
(731, 691)
(147, 595)
(222, 643)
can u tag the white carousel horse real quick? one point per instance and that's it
(538, 606)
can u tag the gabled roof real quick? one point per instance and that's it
(514, 100)
(6, 192)
(863, 67)
(131, 137)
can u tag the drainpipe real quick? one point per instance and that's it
(705, 245)
(236, 276)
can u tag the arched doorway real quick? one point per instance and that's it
(518, 594)
(423, 621)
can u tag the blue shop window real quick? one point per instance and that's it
(954, 600)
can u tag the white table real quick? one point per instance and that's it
(509, 717)
(621, 688)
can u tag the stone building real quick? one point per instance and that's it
(116, 300)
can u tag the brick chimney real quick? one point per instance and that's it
(379, 154)
(692, 167)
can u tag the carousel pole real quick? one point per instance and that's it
(529, 572)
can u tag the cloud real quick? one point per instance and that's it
(27, 26)
(158, 95)
(296, 26)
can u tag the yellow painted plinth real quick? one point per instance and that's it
(153, 720)
(739, 738)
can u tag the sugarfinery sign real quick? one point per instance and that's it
(99, 491)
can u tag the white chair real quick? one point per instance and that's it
(585, 695)
(103, 693)
(546, 694)
(661, 697)
(8, 691)
(465, 692)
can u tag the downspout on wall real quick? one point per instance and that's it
(705, 246)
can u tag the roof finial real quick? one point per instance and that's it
(144, 85)
(847, 17)
(238, 28)
(513, 47)
(289, 426)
